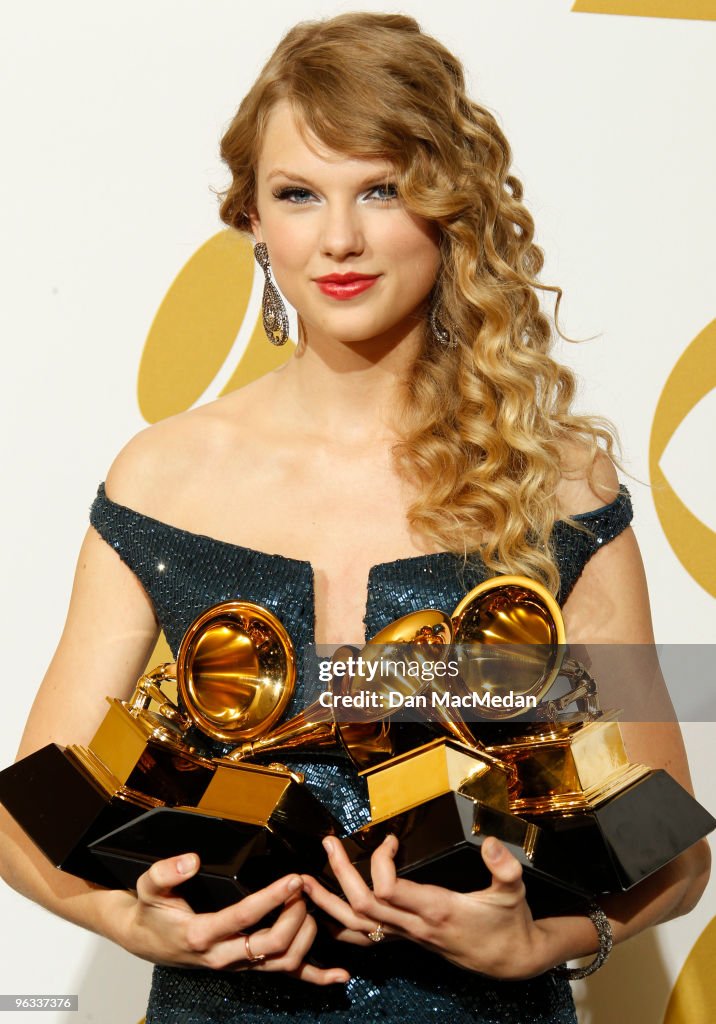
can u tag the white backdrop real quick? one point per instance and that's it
(111, 117)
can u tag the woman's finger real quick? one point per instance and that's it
(320, 975)
(241, 916)
(234, 951)
(363, 901)
(291, 958)
(413, 897)
(159, 881)
(506, 870)
(274, 941)
(293, 962)
(336, 907)
(350, 935)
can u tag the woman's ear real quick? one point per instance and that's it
(255, 222)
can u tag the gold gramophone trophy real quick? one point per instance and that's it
(610, 822)
(147, 787)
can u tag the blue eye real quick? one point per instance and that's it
(299, 196)
(294, 194)
(385, 192)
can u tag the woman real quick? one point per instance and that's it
(420, 441)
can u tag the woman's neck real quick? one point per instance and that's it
(348, 391)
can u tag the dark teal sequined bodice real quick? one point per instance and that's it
(184, 573)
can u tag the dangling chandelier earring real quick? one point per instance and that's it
(440, 331)
(275, 317)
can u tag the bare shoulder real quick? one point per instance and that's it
(610, 601)
(158, 461)
(588, 480)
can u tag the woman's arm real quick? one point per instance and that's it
(609, 611)
(108, 636)
(610, 605)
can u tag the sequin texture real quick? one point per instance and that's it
(184, 573)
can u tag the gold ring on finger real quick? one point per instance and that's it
(377, 935)
(250, 956)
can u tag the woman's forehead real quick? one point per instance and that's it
(289, 145)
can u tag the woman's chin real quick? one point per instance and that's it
(378, 334)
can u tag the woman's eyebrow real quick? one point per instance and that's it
(382, 175)
(280, 173)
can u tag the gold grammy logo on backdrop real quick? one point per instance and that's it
(693, 999)
(198, 331)
(702, 10)
(693, 377)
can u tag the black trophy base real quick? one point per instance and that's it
(440, 844)
(237, 858)
(631, 835)
(62, 809)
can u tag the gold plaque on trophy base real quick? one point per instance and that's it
(428, 771)
(563, 767)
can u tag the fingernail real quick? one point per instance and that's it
(328, 845)
(340, 979)
(295, 884)
(493, 848)
(186, 864)
(306, 884)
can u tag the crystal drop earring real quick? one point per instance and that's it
(275, 317)
(438, 328)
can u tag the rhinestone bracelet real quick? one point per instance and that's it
(604, 930)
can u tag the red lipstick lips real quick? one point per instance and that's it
(345, 286)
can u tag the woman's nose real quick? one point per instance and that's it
(342, 232)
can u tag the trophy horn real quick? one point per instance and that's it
(515, 635)
(514, 638)
(236, 671)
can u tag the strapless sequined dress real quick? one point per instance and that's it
(184, 573)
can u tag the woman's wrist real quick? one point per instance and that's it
(82, 903)
(113, 915)
(565, 938)
(606, 939)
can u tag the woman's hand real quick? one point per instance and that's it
(160, 926)
(491, 930)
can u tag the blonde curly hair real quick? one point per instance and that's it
(485, 423)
